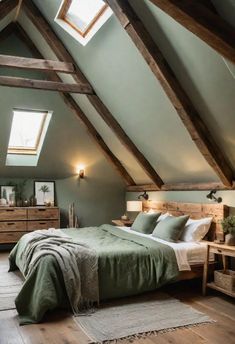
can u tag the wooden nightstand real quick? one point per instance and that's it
(122, 223)
(223, 250)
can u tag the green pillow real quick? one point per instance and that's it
(145, 223)
(171, 228)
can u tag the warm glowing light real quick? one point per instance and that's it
(81, 170)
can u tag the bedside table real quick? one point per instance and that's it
(223, 250)
(122, 223)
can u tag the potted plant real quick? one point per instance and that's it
(228, 225)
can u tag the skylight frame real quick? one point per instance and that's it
(16, 150)
(103, 16)
(65, 9)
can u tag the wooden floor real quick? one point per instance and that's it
(60, 328)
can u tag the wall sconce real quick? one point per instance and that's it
(211, 196)
(81, 171)
(144, 196)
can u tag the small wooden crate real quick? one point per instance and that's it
(225, 279)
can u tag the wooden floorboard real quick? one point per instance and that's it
(60, 328)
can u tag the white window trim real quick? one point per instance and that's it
(75, 34)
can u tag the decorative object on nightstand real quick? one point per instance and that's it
(225, 279)
(228, 225)
(122, 223)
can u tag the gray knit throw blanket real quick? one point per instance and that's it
(78, 264)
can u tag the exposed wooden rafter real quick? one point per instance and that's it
(181, 187)
(62, 54)
(6, 7)
(11, 81)
(201, 21)
(79, 113)
(181, 102)
(35, 64)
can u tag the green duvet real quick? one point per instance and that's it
(128, 265)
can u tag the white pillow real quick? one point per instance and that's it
(195, 230)
(163, 217)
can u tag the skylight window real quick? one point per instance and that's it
(83, 18)
(26, 131)
(82, 14)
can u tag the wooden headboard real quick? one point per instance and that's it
(196, 211)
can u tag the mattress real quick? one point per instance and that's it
(187, 253)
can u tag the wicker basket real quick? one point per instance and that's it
(225, 279)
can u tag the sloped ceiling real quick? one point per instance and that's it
(126, 85)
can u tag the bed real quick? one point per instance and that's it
(128, 263)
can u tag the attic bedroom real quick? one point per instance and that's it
(117, 171)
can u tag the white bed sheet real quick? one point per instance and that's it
(187, 253)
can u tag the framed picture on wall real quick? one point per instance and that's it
(8, 193)
(44, 192)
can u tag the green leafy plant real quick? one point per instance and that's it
(19, 189)
(228, 225)
(44, 189)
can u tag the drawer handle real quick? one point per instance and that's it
(219, 250)
(10, 209)
(11, 223)
(42, 223)
(41, 209)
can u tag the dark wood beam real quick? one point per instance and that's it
(181, 187)
(60, 51)
(51, 38)
(11, 81)
(173, 89)
(6, 7)
(79, 113)
(35, 64)
(201, 21)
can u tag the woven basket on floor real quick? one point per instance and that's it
(225, 279)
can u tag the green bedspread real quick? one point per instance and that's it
(128, 265)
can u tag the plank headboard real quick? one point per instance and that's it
(195, 210)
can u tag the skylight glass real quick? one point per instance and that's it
(26, 131)
(82, 14)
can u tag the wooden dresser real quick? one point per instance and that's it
(15, 222)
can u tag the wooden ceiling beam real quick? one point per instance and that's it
(6, 7)
(181, 187)
(173, 89)
(35, 64)
(11, 81)
(202, 22)
(62, 54)
(79, 113)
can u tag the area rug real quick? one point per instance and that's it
(138, 317)
(10, 285)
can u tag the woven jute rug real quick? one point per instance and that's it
(139, 317)
(10, 285)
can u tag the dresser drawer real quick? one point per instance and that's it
(43, 213)
(11, 214)
(10, 237)
(35, 225)
(13, 226)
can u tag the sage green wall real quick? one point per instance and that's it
(100, 196)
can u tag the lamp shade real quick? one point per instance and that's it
(134, 206)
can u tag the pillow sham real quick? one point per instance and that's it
(171, 228)
(145, 223)
(195, 230)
